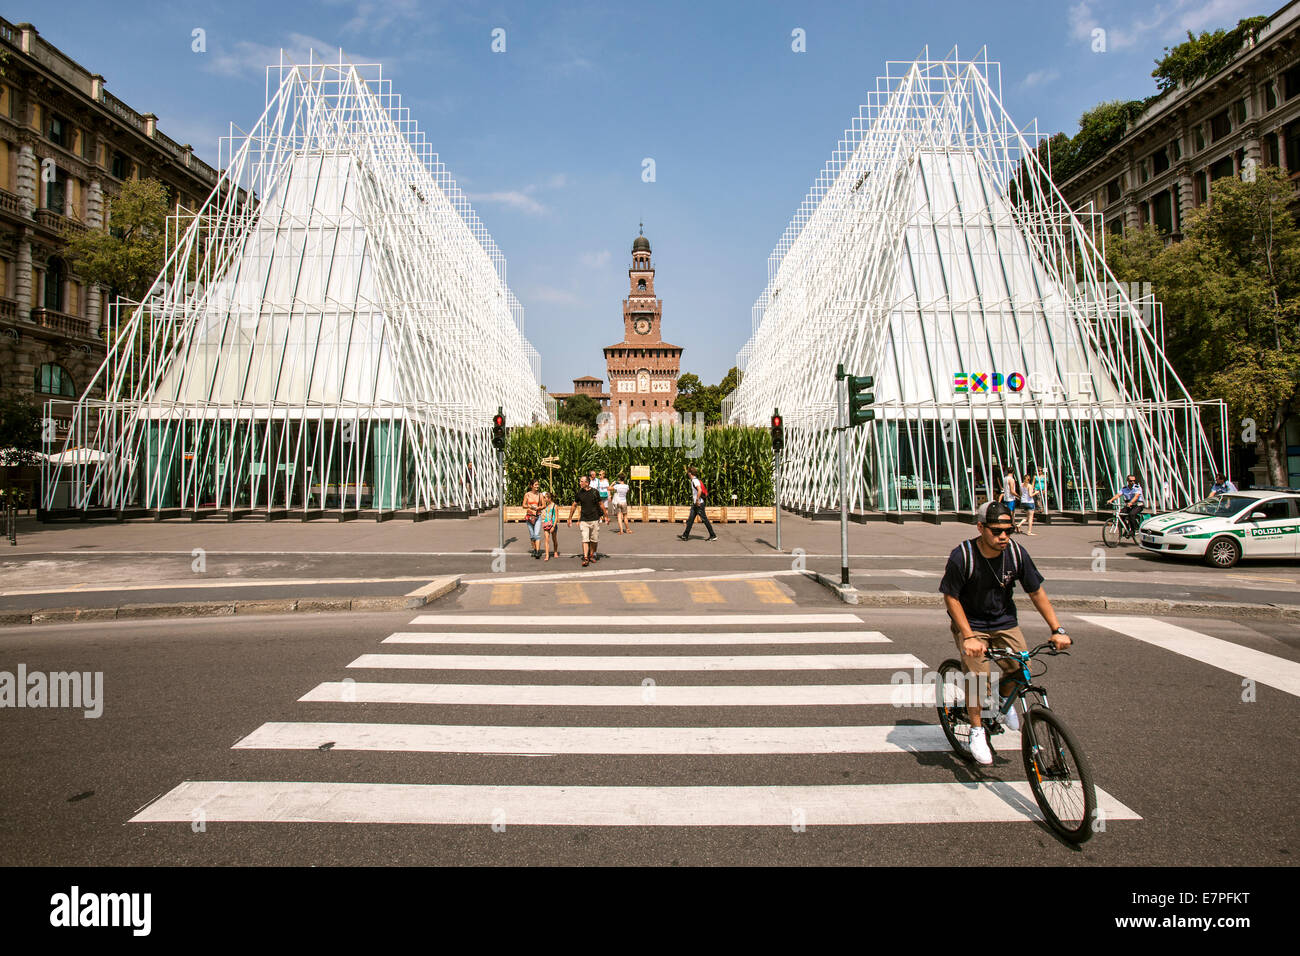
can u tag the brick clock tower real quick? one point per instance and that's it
(643, 368)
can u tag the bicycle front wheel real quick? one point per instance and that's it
(1059, 774)
(950, 700)
(1110, 532)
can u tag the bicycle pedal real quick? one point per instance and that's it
(995, 728)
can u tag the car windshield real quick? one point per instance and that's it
(1223, 506)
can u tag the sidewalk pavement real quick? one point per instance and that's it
(104, 570)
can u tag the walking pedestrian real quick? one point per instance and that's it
(1009, 490)
(550, 526)
(593, 509)
(533, 516)
(1040, 489)
(699, 497)
(1222, 486)
(618, 492)
(1027, 500)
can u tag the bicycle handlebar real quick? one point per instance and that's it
(997, 653)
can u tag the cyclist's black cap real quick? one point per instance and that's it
(994, 512)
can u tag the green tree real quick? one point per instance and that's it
(20, 442)
(1204, 55)
(580, 410)
(1231, 293)
(127, 257)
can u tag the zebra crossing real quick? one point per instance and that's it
(617, 687)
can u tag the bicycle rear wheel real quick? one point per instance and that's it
(950, 701)
(1059, 774)
(1110, 532)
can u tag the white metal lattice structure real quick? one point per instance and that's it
(933, 249)
(332, 329)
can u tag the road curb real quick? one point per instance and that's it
(846, 593)
(312, 605)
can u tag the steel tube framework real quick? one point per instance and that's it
(934, 253)
(332, 330)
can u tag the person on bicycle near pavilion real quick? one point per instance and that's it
(977, 589)
(1132, 495)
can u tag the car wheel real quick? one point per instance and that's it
(1222, 553)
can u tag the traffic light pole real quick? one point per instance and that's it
(501, 512)
(844, 485)
(777, 494)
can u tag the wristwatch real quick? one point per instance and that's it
(1059, 630)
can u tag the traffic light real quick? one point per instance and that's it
(499, 431)
(860, 399)
(778, 437)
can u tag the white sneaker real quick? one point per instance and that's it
(979, 746)
(1011, 719)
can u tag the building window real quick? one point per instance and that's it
(1142, 171)
(1271, 155)
(1222, 168)
(1201, 188)
(1270, 96)
(58, 131)
(1220, 126)
(1159, 162)
(1198, 137)
(1291, 82)
(1163, 211)
(1291, 136)
(1239, 111)
(1115, 226)
(55, 274)
(1178, 148)
(640, 285)
(1113, 190)
(56, 193)
(54, 380)
(119, 168)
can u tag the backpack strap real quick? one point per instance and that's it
(970, 559)
(1015, 560)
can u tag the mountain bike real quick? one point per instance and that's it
(1059, 773)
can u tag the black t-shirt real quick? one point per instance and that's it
(984, 585)
(589, 504)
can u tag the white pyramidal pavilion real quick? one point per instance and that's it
(934, 254)
(332, 330)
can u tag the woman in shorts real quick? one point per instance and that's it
(618, 500)
(532, 515)
(550, 526)
(1027, 492)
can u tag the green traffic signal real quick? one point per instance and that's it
(860, 399)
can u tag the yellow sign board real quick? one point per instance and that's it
(640, 472)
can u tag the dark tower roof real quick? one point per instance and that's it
(640, 244)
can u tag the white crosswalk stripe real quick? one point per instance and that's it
(635, 726)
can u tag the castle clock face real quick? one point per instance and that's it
(642, 326)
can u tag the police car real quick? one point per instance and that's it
(1261, 523)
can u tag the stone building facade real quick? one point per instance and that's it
(588, 385)
(1244, 116)
(66, 146)
(642, 368)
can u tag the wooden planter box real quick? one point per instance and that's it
(515, 513)
(658, 513)
(762, 514)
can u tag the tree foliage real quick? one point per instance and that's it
(694, 396)
(580, 410)
(1204, 55)
(127, 257)
(1231, 294)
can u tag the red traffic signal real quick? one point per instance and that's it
(498, 421)
(499, 431)
(778, 433)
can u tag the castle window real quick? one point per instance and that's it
(640, 285)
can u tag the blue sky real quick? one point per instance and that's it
(548, 138)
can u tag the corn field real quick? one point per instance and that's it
(736, 461)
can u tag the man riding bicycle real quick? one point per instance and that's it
(977, 588)
(1132, 495)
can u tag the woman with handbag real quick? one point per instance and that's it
(550, 526)
(533, 516)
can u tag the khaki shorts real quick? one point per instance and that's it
(620, 509)
(1011, 639)
(590, 531)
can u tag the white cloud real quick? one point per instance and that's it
(248, 59)
(1039, 78)
(512, 198)
(1167, 24)
(554, 296)
(596, 260)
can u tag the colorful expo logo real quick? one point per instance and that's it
(976, 382)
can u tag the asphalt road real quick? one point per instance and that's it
(1210, 775)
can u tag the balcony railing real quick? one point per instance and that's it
(9, 203)
(53, 221)
(9, 310)
(61, 322)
